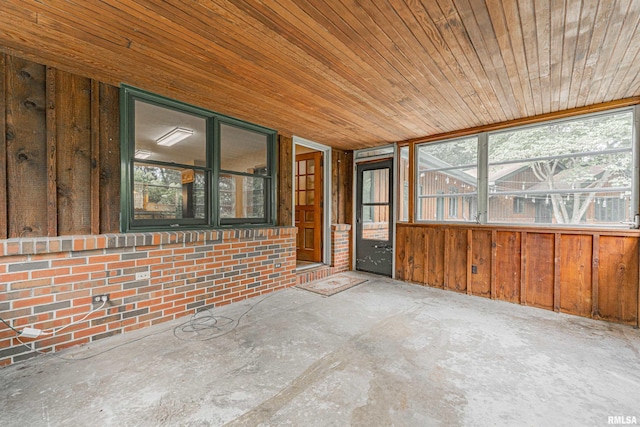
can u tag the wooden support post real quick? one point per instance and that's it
(52, 185)
(595, 264)
(95, 157)
(556, 272)
(412, 184)
(523, 268)
(3, 150)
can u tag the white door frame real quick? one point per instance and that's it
(326, 192)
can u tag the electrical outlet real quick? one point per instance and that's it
(143, 275)
(99, 299)
(278, 265)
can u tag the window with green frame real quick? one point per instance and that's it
(188, 167)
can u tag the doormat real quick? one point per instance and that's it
(332, 285)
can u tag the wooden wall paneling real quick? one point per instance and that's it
(618, 281)
(447, 258)
(73, 117)
(401, 252)
(95, 157)
(435, 257)
(285, 180)
(456, 265)
(540, 270)
(341, 181)
(26, 148)
(556, 272)
(52, 171)
(507, 258)
(575, 254)
(494, 264)
(481, 258)
(523, 268)
(3, 150)
(418, 245)
(469, 260)
(595, 275)
(109, 158)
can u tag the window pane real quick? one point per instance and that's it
(227, 195)
(363, 154)
(162, 192)
(569, 172)
(375, 223)
(242, 150)
(375, 186)
(167, 135)
(241, 196)
(446, 180)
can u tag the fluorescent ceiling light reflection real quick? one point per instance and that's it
(174, 136)
(142, 154)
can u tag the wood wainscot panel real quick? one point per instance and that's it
(456, 259)
(539, 276)
(480, 283)
(26, 148)
(507, 271)
(434, 257)
(418, 244)
(576, 274)
(401, 251)
(618, 279)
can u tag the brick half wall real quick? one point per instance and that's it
(49, 282)
(340, 256)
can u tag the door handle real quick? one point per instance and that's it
(383, 246)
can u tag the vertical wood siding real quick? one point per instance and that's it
(580, 272)
(60, 148)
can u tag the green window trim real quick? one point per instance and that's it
(209, 214)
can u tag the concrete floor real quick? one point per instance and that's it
(382, 353)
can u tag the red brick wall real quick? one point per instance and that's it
(48, 282)
(340, 256)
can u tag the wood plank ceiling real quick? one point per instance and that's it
(347, 73)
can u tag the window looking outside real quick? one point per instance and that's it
(563, 172)
(577, 171)
(443, 169)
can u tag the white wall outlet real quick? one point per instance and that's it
(143, 275)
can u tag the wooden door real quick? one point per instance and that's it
(308, 211)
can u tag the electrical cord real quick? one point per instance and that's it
(55, 331)
(10, 327)
(197, 324)
(194, 325)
